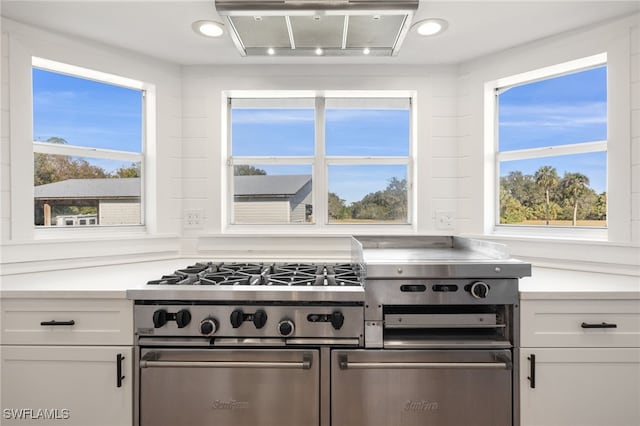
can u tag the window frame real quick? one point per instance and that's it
(320, 163)
(492, 210)
(147, 91)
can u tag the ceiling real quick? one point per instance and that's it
(162, 29)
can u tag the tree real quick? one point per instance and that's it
(547, 178)
(388, 204)
(511, 210)
(522, 187)
(133, 171)
(337, 207)
(573, 187)
(247, 170)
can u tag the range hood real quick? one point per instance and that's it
(317, 27)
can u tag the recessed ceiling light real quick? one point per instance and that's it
(257, 18)
(366, 51)
(208, 28)
(271, 51)
(319, 51)
(432, 26)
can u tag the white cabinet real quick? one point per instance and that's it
(580, 363)
(70, 385)
(66, 361)
(580, 387)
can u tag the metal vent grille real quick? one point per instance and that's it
(298, 28)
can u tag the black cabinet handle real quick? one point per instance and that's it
(532, 371)
(119, 375)
(54, 322)
(601, 325)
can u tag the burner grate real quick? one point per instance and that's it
(262, 274)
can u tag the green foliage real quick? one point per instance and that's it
(546, 196)
(133, 171)
(338, 210)
(50, 168)
(247, 170)
(388, 204)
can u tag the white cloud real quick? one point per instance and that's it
(566, 115)
(271, 117)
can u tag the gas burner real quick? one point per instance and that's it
(263, 274)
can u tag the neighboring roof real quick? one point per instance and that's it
(269, 184)
(89, 188)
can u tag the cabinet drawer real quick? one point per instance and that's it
(580, 323)
(67, 322)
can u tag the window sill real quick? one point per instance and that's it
(89, 232)
(319, 230)
(591, 235)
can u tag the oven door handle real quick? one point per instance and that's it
(305, 364)
(345, 365)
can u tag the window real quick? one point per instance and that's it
(320, 160)
(88, 147)
(552, 150)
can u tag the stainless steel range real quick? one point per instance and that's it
(411, 331)
(244, 343)
(441, 336)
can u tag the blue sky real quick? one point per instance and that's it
(85, 112)
(559, 111)
(348, 132)
(563, 110)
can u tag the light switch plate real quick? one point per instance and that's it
(193, 218)
(445, 219)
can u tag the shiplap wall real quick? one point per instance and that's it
(163, 170)
(190, 167)
(203, 89)
(5, 150)
(635, 132)
(620, 39)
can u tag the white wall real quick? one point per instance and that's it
(164, 194)
(203, 133)
(620, 39)
(189, 167)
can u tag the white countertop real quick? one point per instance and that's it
(547, 283)
(106, 282)
(113, 282)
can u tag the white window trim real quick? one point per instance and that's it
(319, 163)
(22, 193)
(493, 156)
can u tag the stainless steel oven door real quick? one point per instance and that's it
(199, 387)
(430, 387)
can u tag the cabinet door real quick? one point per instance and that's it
(580, 387)
(72, 385)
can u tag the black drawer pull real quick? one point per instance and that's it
(532, 371)
(119, 376)
(54, 322)
(601, 325)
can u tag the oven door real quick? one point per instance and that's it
(199, 387)
(429, 387)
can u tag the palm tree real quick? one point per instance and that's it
(573, 187)
(547, 178)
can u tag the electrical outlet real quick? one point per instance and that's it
(193, 218)
(445, 219)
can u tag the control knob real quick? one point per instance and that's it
(337, 320)
(260, 318)
(160, 318)
(237, 318)
(183, 318)
(286, 328)
(208, 326)
(479, 290)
